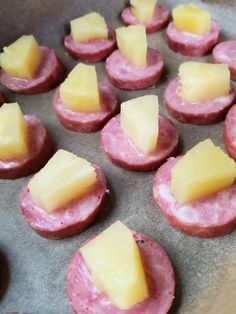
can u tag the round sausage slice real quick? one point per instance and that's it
(208, 217)
(160, 19)
(189, 44)
(93, 50)
(230, 132)
(225, 53)
(40, 150)
(50, 73)
(88, 121)
(123, 152)
(70, 220)
(15, 313)
(125, 75)
(203, 112)
(85, 298)
(2, 99)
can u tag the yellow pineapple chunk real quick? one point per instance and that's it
(89, 26)
(139, 121)
(132, 42)
(80, 92)
(203, 81)
(13, 132)
(22, 58)
(202, 171)
(114, 260)
(192, 19)
(64, 178)
(143, 10)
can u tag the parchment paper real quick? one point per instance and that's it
(33, 269)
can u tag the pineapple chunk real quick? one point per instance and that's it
(203, 81)
(139, 121)
(22, 58)
(115, 263)
(143, 10)
(13, 132)
(204, 170)
(89, 26)
(132, 42)
(192, 19)
(64, 178)
(79, 92)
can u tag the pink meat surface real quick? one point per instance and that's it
(85, 298)
(15, 313)
(225, 53)
(88, 121)
(50, 73)
(69, 220)
(94, 50)
(125, 75)
(208, 217)
(160, 19)
(230, 132)
(40, 149)
(190, 44)
(204, 112)
(122, 151)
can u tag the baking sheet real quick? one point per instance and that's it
(33, 269)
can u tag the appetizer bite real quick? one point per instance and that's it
(133, 65)
(2, 99)
(139, 138)
(120, 271)
(91, 40)
(25, 145)
(64, 197)
(230, 132)
(225, 53)
(28, 68)
(81, 103)
(201, 94)
(192, 32)
(146, 12)
(15, 313)
(197, 192)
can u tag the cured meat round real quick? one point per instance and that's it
(203, 112)
(230, 132)
(15, 313)
(49, 74)
(40, 150)
(190, 44)
(93, 50)
(88, 121)
(225, 53)
(125, 75)
(211, 216)
(123, 152)
(160, 19)
(70, 220)
(85, 298)
(2, 99)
